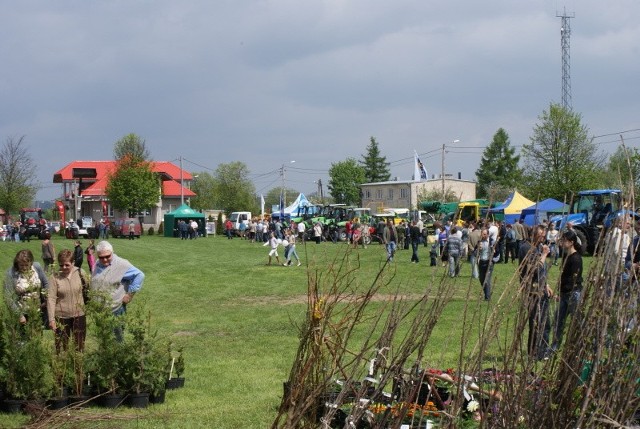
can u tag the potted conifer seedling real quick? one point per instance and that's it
(176, 370)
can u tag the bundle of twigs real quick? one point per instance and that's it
(344, 339)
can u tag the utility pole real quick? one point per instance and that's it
(283, 193)
(443, 152)
(442, 174)
(284, 180)
(181, 184)
(320, 191)
(565, 43)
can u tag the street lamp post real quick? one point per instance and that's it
(442, 175)
(284, 193)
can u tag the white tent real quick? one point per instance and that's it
(292, 210)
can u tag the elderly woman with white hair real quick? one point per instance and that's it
(115, 277)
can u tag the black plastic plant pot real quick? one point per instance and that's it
(12, 406)
(110, 401)
(175, 383)
(57, 403)
(157, 399)
(138, 400)
(79, 400)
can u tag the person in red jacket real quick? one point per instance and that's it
(228, 226)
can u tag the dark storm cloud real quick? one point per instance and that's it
(267, 82)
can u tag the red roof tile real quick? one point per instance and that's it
(104, 167)
(170, 188)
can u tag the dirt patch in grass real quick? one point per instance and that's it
(185, 334)
(302, 299)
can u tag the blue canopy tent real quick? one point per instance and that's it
(535, 214)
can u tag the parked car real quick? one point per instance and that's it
(54, 227)
(120, 227)
(72, 230)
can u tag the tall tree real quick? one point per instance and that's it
(624, 170)
(132, 145)
(560, 159)
(273, 196)
(498, 167)
(133, 186)
(376, 167)
(18, 185)
(203, 185)
(233, 189)
(345, 178)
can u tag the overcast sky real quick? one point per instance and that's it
(267, 82)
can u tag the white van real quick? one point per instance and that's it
(237, 218)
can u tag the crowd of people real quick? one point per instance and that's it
(482, 245)
(58, 294)
(188, 230)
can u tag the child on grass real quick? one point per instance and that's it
(433, 253)
(273, 243)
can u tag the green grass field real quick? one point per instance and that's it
(236, 319)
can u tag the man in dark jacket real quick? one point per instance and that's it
(389, 238)
(78, 255)
(415, 234)
(533, 277)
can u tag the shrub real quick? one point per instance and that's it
(219, 226)
(161, 228)
(151, 231)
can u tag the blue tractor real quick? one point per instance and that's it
(590, 213)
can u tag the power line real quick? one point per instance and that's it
(618, 133)
(618, 140)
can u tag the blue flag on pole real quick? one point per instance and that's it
(420, 171)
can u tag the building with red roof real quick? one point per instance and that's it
(84, 186)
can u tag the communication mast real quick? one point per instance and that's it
(565, 42)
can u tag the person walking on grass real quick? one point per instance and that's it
(570, 284)
(65, 303)
(511, 244)
(115, 276)
(454, 250)
(291, 250)
(414, 235)
(228, 229)
(485, 265)
(273, 244)
(389, 238)
(132, 230)
(533, 277)
(25, 286)
(78, 254)
(48, 252)
(90, 251)
(552, 241)
(301, 230)
(474, 239)
(317, 232)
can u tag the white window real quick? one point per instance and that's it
(379, 194)
(390, 194)
(367, 194)
(404, 193)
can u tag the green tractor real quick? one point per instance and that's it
(328, 216)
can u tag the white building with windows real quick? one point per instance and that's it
(406, 193)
